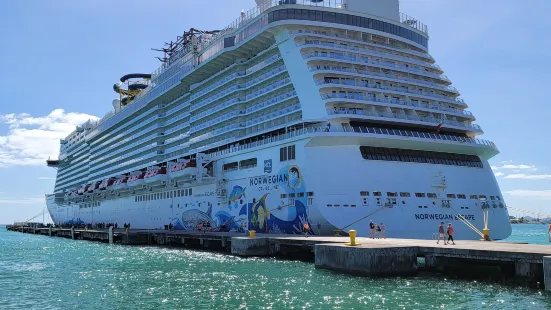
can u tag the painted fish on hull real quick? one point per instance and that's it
(236, 194)
(192, 218)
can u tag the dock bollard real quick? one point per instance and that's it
(486, 233)
(352, 235)
(252, 233)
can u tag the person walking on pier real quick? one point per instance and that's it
(441, 233)
(371, 229)
(450, 232)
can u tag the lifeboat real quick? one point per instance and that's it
(183, 169)
(135, 179)
(93, 187)
(82, 189)
(119, 183)
(106, 183)
(155, 175)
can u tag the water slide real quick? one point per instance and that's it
(132, 89)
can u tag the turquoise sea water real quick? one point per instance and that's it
(39, 272)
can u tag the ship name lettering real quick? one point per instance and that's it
(269, 179)
(434, 216)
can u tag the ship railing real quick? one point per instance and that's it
(365, 60)
(428, 119)
(371, 43)
(369, 51)
(297, 132)
(369, 98)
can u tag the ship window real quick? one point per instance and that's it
(450, 195)
(186, 192)
(392, 194)
(497, 197)
(283, 154)
(405, 155)
(310, 201)
(377, 194)
(420, 195)
(287, 153)
(431, 195)
(336, 205)
(473, 196)
(171, 194)
(404, 194)
(291, 195)
(492, 198)
(363, 194)
(329, 205)
(190, 192)
(310, 194)
(461, 196)
(353, 206)
(482, 196)
(283, 195)
(365, 202)
(248, 163)
(231, 166)
(300, 195)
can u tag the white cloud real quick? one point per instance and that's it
(524, 176)
(539, 194)
(23, 201)
(515, 167)
(498, 174)
(46, 178)
(31, 140)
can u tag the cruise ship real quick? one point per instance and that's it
(331, 113)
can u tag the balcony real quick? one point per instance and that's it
(272, 101)
(378, 86)
(370, 51)
(409, 104)
(363, 60)
(217, 132)
(274, 115)
(385, 114)
(217, 120)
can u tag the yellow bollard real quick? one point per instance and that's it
(352, 235)
(252, 233)
(486, 233)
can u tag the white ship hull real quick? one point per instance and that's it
(333, 177)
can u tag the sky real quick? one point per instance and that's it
(60, 58)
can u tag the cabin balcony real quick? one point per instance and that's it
(353, 59)
(370, 100)
(362, 84)
(399, 116)
(369, 51)
(338, 34)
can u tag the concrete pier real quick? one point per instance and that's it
(370, 261)
(508, 263)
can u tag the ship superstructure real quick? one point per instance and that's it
(319, 112)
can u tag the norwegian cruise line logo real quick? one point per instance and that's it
(268, 166)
